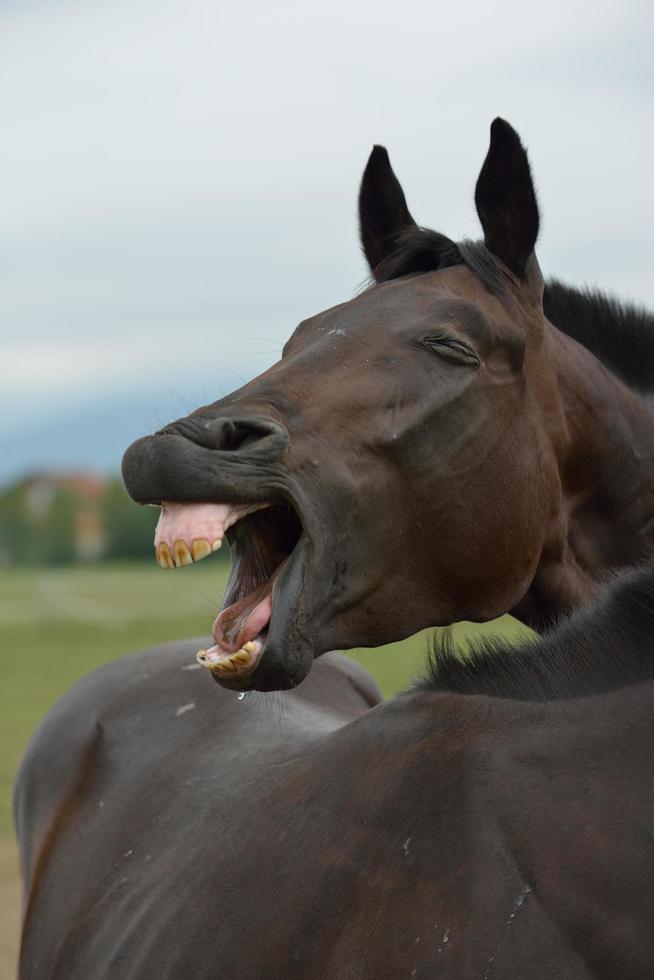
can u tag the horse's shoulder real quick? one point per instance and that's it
(59, 755)
(83, 707)
(128, 708)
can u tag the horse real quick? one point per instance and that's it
(432, 450)
(495, 821)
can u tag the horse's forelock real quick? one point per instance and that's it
(423, 250)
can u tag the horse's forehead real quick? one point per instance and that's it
(403, 302)
(386, 312)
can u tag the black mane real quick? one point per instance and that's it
(620, 335)
(606, 646)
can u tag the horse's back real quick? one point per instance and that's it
(300, 835)
(129, 761)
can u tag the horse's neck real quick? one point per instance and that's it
(604, 444)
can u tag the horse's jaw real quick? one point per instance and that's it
(261, 635)
(262, 547)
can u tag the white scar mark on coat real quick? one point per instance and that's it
(184, 708)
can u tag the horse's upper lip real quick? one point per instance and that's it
(169, 466)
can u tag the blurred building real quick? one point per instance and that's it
(58, 518)
(84, 492)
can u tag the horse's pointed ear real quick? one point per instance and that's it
(506, 200)
(383, 212)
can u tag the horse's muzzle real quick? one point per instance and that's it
(204, 459)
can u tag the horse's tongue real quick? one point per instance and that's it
(246, 618)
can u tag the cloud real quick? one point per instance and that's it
(179, 181)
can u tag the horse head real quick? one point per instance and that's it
(401, 466)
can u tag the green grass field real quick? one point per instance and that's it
(59, 624)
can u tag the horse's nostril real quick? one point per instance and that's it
(230, 436)
(235, 435)
(259, 438)
(223, 434)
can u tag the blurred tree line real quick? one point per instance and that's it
(54, 519)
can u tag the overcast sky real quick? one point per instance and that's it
(178, 180)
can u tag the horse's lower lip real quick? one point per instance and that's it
(286, 653)
(277, 632)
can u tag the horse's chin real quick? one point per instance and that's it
(258, 637)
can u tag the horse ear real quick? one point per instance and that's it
(383, 212)
(506, 200)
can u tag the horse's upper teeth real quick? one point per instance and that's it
(181, 553)
(200, 549)
(174, 541)
(164, 556)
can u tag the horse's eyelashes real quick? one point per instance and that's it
(451, 350)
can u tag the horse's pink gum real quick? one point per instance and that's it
(188, 522)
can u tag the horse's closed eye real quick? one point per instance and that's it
(452, 350)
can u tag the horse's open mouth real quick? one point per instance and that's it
(261, 539)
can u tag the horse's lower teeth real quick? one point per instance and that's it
(227, 664)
